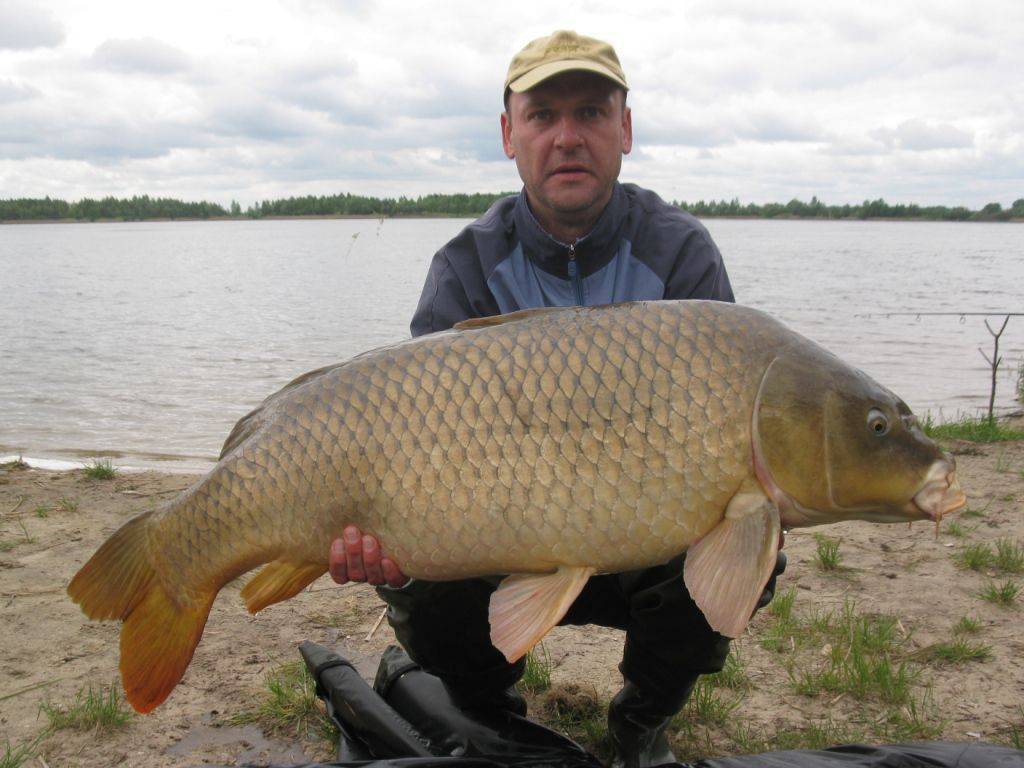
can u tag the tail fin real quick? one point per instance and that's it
(160, 631)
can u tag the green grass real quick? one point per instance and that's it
(41, 511)
(958, 651)
(14, 464)
(827, 553)
(288, 705)
(976, 557)
(860, 658)
(17, 756)
(1001, 594)
(956, 530)
(863, 658)
(971, 512)
(67, 505)
(733, 675)
(1015, 733)
(782, 633)
(100, 469)
(971, 429)
(707, 706)
(967, 626)
(92, 709)
(1009, 557)
(537, 675)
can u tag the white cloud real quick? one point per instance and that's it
(731, 98)
(25, 26)
(145, 55)
(919, 135)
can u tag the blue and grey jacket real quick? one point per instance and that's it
(641, 248)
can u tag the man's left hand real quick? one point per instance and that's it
(357, 557)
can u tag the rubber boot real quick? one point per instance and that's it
(488, 702)
(636, 727)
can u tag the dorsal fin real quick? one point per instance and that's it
(511, 317)
(249, 424)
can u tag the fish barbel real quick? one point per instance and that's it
(547, 444)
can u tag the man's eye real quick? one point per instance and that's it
(541, 114)
(589, 113)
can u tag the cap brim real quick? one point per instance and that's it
(544, 71)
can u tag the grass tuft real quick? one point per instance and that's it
(733, 675)
(958, 651)
(101, 710)
(1009, 557)
(976, 557)
(100, 469)
(971, 429)
(827, 552)
(41, 511)
(537, 675)
(17, 756)
(1001, 594)
(967, 626)
(972, 512)
(706, 706)
(289, 706)
(1015, 733)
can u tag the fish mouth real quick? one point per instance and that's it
(941, 492)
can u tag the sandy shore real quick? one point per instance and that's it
(50, 522)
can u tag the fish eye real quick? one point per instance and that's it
(878, 422)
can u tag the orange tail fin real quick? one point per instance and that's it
(160, 631)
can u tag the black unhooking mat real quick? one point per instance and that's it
(407, 720)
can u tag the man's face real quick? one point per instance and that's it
(567, 136)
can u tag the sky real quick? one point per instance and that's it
(761, 101)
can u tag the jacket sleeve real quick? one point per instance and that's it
(443, 301)
(699, 272)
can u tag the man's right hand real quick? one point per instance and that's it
(355, 557)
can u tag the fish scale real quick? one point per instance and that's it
(562, 442)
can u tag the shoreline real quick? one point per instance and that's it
(414, 216)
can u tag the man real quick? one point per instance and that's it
(574, 235)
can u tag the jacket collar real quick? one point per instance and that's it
(593, 250)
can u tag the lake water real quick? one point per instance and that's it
(147, 341)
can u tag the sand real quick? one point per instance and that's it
(50, 650)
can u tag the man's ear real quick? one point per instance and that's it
(506, 136)
(627, 130)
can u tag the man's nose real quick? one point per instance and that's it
(568, 136)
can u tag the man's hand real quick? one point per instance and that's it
(355, 557)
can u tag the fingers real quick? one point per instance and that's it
(392, 574)
(336, 564)
(358, 557)
(371, 561)
(354, 553)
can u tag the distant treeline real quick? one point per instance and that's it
(869, 209)
(461, 205)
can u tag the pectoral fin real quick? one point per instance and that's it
(726, 571)
(526, 606)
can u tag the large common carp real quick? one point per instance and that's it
(546, 444)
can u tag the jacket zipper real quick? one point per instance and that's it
(577, 284)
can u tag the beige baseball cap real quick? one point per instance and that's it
(562, 51)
